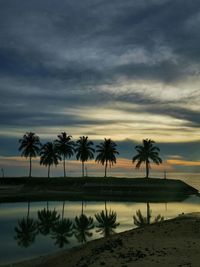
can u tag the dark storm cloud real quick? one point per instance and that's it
(165, 71)
(170, 21)
(33, 39)
(59, 54)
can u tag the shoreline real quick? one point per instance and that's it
(173, 242)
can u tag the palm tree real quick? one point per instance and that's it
(107, 151)
(49, 155)
(147, 152)
(82, 227)
(106, 222)
(62, 231)
(30, 147)
(140, 220)
(65, 147)
(47, 220)
(84, 150)
(26, 230)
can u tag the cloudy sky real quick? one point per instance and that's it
(127, 70)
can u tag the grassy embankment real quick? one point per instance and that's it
(94, 188)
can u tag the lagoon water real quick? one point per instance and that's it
(11, 214)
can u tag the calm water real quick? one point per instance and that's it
(15, 248)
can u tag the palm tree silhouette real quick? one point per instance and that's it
(63, 210)
(26, 230)
(107, 151)
(84, 150)
(65, 147)
(82, 227)
(47, 220)
(147, 152)
(62, 231)
(49, 156)
(140, 220)
(30, 146)
(106, 222)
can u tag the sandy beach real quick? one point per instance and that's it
(171, 243)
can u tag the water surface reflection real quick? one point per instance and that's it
(32, 229)
(61, 229)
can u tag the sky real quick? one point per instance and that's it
(126, 70)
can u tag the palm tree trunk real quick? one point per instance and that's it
(83, 169)
(63, 210)
(82, 208)
(64, 166)
(49, 170)
(148, 213)
(106, 169)
(147, 169)
(28, 212)
(30, 168)
(106, 207)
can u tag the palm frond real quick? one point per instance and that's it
(106, 222)
(82, 227)
(146, 152)
(62, 231)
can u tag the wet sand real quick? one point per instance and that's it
(171, 243)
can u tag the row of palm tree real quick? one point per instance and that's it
(49, 222)
(60, 229)
(64, 148)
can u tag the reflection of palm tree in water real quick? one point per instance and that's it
(62, 230)
(83, 226)
(106, 222)
(26, 230)
(140, 220)
(47, 220)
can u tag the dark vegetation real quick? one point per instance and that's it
(96, 188)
